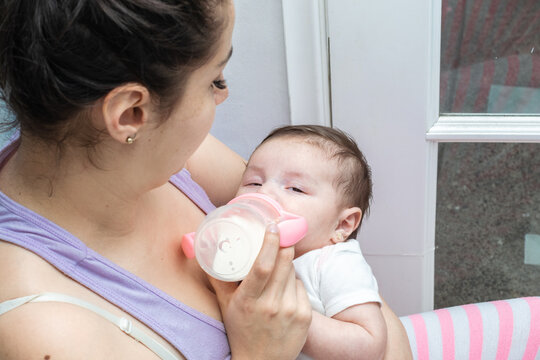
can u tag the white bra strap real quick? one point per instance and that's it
(122, 323)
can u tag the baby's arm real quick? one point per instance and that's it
(358, 332)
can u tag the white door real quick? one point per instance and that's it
(383, 61)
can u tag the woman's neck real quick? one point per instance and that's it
(71, 191)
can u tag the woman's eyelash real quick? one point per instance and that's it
(220, 84)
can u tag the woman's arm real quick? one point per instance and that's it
(397, 344)
(217, 169)
(358, 332)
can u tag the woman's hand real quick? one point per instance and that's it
(268, 315)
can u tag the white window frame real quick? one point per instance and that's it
(486, 128)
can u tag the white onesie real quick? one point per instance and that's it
(337, 277)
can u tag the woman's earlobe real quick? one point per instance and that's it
(125, 111)
(130, 139)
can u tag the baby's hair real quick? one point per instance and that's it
(354, 181)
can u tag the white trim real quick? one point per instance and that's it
(434, 71)
(306, 49)
(430, 211)
(492, 128)
(431, 156)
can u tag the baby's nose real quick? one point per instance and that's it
(269, 190)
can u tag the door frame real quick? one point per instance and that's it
(307, 60)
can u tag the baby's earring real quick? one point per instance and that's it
(340, 236)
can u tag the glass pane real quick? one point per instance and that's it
(488, 222)
(490, 56)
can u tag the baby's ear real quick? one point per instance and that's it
(348, 221)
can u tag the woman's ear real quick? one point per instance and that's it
(348, 221)
(125, 109)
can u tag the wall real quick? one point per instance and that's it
(256, 76)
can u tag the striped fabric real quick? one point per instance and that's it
(497, 330)
(486, 43)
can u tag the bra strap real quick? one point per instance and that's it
(122, 323)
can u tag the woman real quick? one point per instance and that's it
(114, 98)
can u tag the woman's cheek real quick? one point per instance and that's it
(221, 95)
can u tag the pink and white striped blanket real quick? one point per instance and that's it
(496, 330)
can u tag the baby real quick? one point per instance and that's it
(319, 173)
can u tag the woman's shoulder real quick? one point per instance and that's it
(54, 329)
(62, 331)
(33, 331)
(19, 270)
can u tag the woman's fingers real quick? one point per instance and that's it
(304, 309)
(224, 291)
(254, 284)
(282, 282)
(264, 266)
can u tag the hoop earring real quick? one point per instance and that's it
(130, 140)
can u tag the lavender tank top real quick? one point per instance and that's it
(194, 334)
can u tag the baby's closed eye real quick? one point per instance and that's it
(296, 189)
(253, 184)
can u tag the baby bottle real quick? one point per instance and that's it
(229, 239)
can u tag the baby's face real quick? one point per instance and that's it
(299, 176)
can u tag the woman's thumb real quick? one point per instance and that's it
(224, 291)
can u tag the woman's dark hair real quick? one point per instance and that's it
(57, 57)
(354, 180)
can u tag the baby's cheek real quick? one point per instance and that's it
(303, 246)
(242, 190)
